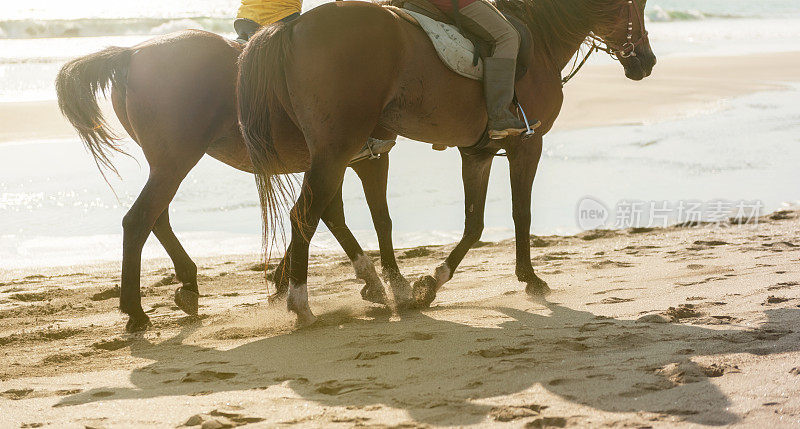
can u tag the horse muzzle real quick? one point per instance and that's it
(639, 65)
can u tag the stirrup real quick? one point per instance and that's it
(531, 128)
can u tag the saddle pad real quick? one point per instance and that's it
(455, 50)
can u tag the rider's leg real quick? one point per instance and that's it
(485, 20)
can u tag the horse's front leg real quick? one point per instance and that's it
(475, 170)
(523, 161)
(320, 186)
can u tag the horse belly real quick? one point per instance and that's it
(432, 103)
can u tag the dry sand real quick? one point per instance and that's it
(662, 327)
(599, 95)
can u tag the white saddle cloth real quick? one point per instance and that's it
(455, 50)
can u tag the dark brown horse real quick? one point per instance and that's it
(344, 68)
(175, 97)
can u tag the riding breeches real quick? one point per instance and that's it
(484, 20)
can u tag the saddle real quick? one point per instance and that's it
(459, 49)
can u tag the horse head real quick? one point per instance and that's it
(626, 38)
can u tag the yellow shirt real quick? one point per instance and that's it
(266, 12)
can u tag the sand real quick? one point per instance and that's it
(659, 327)
(599, 95)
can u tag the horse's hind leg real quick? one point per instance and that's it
(187, 295)
(475, 170)
(137, 224)
(333, 216)
(374, 177)
(334, 219)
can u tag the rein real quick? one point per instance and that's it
(616, 51)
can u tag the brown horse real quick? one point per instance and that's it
(344, 68)
(175, 97)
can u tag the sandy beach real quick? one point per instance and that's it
(599, 95)
(644, 328)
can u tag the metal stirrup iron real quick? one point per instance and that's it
(530, 131)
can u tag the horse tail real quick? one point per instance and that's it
(261, 71)
(77, 84)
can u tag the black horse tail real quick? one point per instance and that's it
(77, 84)
(261, 71)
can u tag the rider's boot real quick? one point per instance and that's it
(498, 82)
(245, 29)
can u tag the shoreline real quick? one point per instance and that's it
(599, 95)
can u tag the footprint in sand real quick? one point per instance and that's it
(112, 344)
(772, 299)
(510, 413)
(683, 311)
(783, 285)
(206, 376)
(373, 355)
(221, 419)
(547, 422)
(501, 351)
(16, 394)
(336, 387)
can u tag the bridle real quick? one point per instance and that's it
(615, 50)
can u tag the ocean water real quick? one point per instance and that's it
(55, 209)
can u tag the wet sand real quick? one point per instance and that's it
(643, 328)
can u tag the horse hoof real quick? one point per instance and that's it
(186, 300)
(374, 294)
(138, 323)
(537, 287)
(401, 290)
(424, 291)
(304, 316)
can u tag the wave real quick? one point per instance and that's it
(92, 27)
(659, 14)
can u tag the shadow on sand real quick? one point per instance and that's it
(439, 370)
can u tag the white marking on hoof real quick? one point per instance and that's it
(297, 302)
(365, 269)
(442, 274)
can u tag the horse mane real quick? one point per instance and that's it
(555, 23)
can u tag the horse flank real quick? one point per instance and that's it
(77, 84)
(261, 70)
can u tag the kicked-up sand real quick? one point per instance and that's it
(682, 326)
